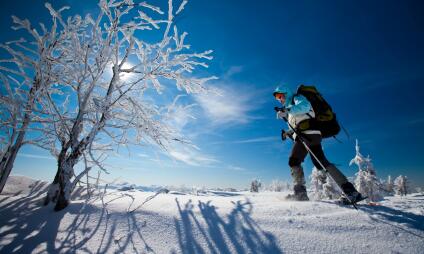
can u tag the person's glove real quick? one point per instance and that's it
(286, 134)
(281, 114)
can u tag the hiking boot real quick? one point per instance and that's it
(299, 194)
(352, 195)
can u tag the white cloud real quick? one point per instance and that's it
(236, 168)
(36, 156)
(257, 140)
(192, 157)
(228, 106)
(181, 116)
(233, 70)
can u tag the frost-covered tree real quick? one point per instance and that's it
(401, 185)
(26, 74)
(111, 81)
(318, 179)
(363, 163)
(331, 189)
(255, 185)
(322, 186)
(366, 180)
(277, 186)
(389, 185)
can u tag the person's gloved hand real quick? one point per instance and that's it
(286, 134)
(282, 114)
(283, 135)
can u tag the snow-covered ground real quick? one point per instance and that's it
(217, 222)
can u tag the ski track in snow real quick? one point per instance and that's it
(217, 223)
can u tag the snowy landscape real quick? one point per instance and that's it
(120, 133)
(210, 222)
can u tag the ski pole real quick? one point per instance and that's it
(320, 163)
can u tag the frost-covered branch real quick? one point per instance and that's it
(26, 76)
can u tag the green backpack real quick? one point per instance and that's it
(325, 119)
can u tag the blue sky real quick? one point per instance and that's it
(366, 57)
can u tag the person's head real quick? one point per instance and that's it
(282, 94)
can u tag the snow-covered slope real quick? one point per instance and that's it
(221, 222)
(23, 185)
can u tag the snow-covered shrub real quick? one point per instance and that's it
(277, 186)
(323, 186)
(255, 185)
(331, 189)
(195, 190)
(366, 181)
(389, 185)
(401, 185)
(368, 185)
(318, 179)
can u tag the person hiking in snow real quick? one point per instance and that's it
(297, 111)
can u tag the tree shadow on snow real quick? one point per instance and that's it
(27, 225)
(122, 237)
(236, 232)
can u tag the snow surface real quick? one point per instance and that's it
(219, 222)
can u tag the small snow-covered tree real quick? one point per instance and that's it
(389, 185)
(111, 81)
(288, 186)
(401, 185)
(322, 186)
(331, 189)
(25, 77)
(277, 185)
(255, 185)
(366, 180)
(318, 179)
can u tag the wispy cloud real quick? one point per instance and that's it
(248, 141)
(192, 157)
(36, 156)
(232, 71)
(257, 140)
(228, 105)
(236, 168)
(179, 115)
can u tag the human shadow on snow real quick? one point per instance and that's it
(236, 232)
(397, 218)
(26, 225)
(390, 215)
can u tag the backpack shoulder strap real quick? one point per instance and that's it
(297, 94)
(294, 95)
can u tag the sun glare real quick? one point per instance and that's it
(126, 76)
